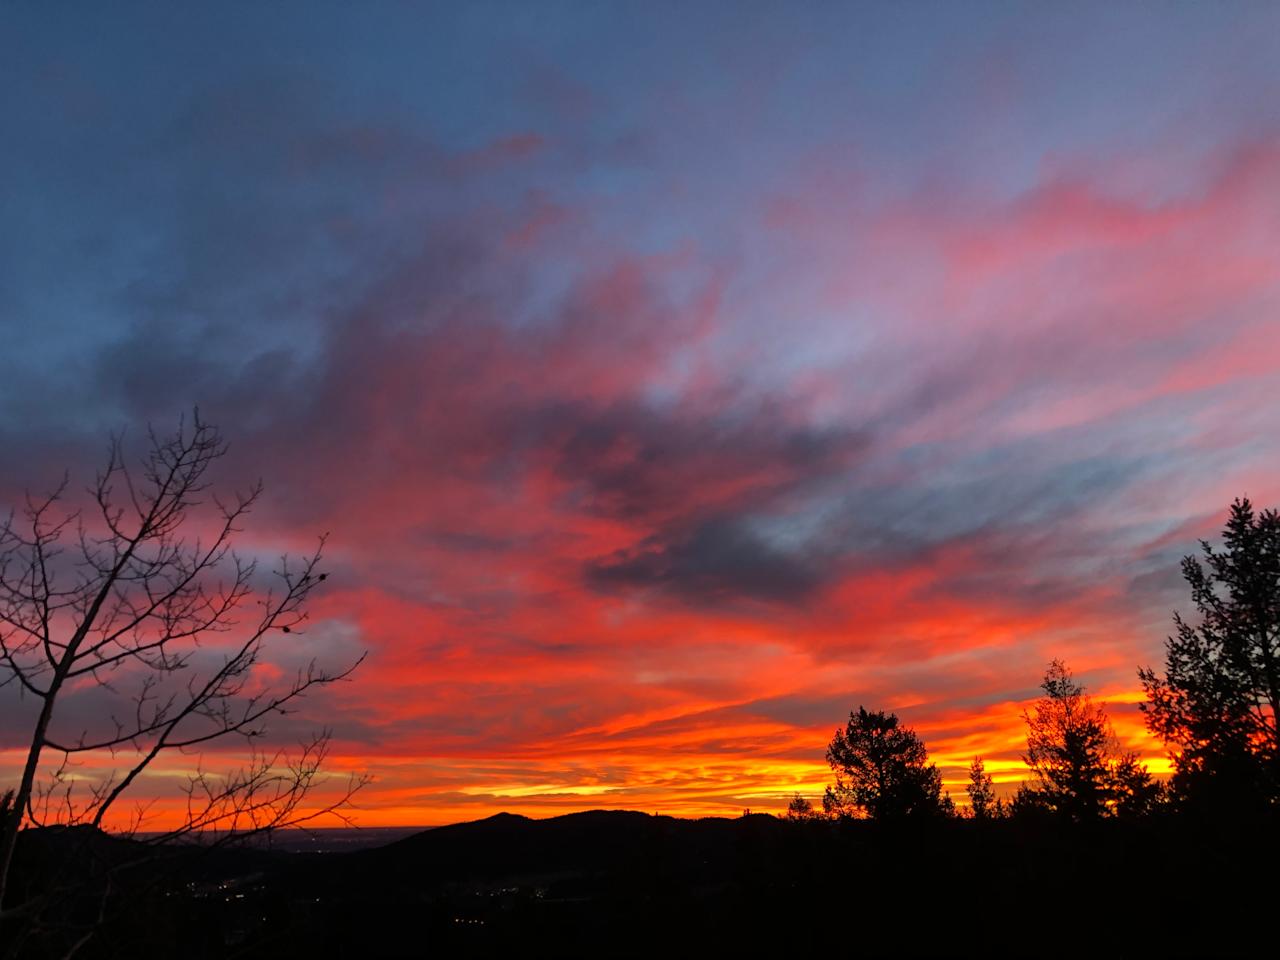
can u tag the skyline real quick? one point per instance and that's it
(670, 383)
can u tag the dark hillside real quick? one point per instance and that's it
(628, 884)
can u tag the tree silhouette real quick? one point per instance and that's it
(1077, 768)
(1070, 747)
(1217, 703)
(800, 809)
(141, 598)
(1029, 802)
(1136, 793)
(983, 802)
(882, 770)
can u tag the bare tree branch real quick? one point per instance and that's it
(144, 599)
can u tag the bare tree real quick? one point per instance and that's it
(139, 598)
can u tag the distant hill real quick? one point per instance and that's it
(596, 840)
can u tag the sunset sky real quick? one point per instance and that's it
(670, 378)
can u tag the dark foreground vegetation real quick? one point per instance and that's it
(630, 884)
(1092, 855)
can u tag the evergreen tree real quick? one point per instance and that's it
(1029, 803)
(1137, 794)
(983, 802)
(1077, 768)
(1216, 705)
(800, 809)
(1070, 747)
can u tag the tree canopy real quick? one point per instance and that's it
(983, 802)
(1078, 769)
(1069, 746)
(1216, 704)
(882, 770)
